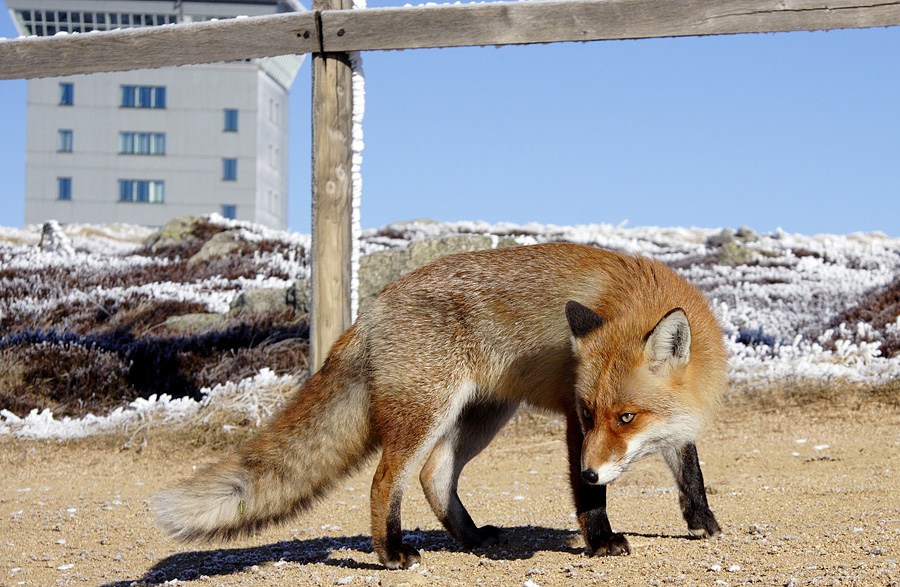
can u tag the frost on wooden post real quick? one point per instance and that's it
(359, 107)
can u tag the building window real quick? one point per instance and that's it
(141, 190)
(66, 94)
(143, 97)
(229, 211)
(229, 169)
(142, 143)
(65, 141)
(274, 112)
(77, 21)
(231, 120)
(64, 188)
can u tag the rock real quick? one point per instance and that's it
(735, 254)
(297, 296)
(423, 252)
(198, 322)
(175, 232)
(378, 269)
(261, 301)
(745, 234)
(218, 246)
(402, 579)
(724, 237)
(404, 225)
(53, 240)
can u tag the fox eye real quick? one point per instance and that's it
(626, 418)
(587, 415)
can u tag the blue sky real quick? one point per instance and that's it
(793, 130)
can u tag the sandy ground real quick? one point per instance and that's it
(805, 497)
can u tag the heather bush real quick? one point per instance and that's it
(70, 379)
(86, 332)
(879, 309)
(83, 373)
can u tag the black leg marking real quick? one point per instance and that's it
(399, 555)
(590, 502)
(691, 492)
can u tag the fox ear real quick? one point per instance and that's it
(669, 343)
(582, 320)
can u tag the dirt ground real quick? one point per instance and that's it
(805, 496)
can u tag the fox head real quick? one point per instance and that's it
(634, 389)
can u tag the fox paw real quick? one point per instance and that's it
(400, 558)
(612, 545)
(710, 531)
(488, 536)
(704, 526)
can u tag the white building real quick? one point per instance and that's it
(149, 145)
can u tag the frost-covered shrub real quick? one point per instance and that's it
(879, 311)
(69, 378)
(103, 370)
(819, 309)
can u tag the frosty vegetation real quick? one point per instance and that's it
(90, 338)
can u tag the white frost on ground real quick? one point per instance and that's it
(252, 397)
(775, 312)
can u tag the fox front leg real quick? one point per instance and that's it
(685, 466)
(590, 502)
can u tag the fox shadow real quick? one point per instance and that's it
(524, 542)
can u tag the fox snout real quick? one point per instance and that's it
(604, 456)
(603, 475)
(603, 462)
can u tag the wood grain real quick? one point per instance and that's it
(412, 27)
(504, 23)
(162, 46)
(332, 199)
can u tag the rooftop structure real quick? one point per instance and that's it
(146, 146)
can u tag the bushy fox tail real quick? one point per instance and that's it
(321, 435)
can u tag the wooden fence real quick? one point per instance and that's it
(331, 30)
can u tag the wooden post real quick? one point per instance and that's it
(332, 240)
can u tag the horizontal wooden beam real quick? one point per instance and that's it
(414, 27)
(506, 23)
(159, 46)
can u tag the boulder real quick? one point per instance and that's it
(376, 270)
(297, 296)
(176, 231)
(219, 246)
(197, 322)
(735, 254)
(261, 301)
(745, 234)
(724, 237)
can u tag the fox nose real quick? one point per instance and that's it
(590, 476)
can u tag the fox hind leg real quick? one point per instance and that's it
(476, 426)
(407, 433)
(387, 496)
(685, 466)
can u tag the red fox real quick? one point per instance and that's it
(628, 352)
